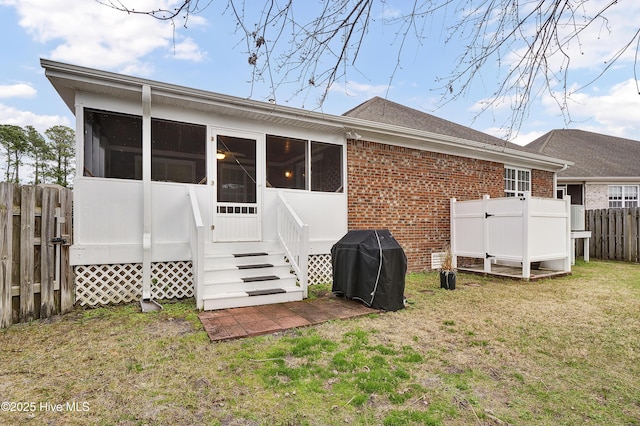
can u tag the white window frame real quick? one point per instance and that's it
(625, 196)
(306, 168)
(517, 181)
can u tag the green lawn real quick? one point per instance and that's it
(492, 352)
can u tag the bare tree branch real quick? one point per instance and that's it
(529, 42)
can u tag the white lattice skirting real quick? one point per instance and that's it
(122, 283)
(113, 284)
(320, 269)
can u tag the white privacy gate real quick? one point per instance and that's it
(513, 231)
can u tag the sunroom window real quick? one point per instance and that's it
(326, 167)
(178, 152)
(112, 145)
(516, 181)
(113, 148)
(623, 196)
(288, 163)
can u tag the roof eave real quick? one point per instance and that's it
(456, 146)
(598, 179)
(66, 77)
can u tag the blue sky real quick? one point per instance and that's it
(208, 54)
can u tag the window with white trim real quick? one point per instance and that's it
(289, 164)
(622, 196)
(516, 181)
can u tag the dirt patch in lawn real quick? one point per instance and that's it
(169, 327)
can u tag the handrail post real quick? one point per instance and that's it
(294, 237)
(304, 261)
(196, 241)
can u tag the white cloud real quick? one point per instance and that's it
(525, 138)
(596, 43)
(360, 90)
(19, 90)
(188, 49)
(91, 34)
(616, 112)
(389, 12)
(11, 115)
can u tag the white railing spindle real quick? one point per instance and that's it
(294, 236)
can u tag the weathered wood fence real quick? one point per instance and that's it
(36, 280)
(614, 233)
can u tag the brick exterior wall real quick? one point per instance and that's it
(542, 184)
(596, 196)
(407, 191)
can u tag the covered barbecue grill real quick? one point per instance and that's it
(370, 266)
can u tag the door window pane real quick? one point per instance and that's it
(236, 159)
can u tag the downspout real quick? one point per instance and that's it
(146, 303)
(555, 179)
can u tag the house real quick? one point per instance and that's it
(605, 174)
(183, 192)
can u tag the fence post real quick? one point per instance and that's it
(6, 255)
(47, 252)
(526, 220)
(67, 296)
(485, 233)
(604, 233)
(597, 216)
(453, 232)
(634, 234)
(27, 240)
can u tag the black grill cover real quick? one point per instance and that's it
(370, 266)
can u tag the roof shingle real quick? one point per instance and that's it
(594, 154)
(384, 111)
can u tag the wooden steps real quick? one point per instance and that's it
(247, 274)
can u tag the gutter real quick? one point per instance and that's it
(599, 179)
(555, 179)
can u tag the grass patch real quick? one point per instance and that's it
(562, 351)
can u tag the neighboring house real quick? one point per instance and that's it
(606, 170)
(177, 185)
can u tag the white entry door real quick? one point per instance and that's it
(238, 199)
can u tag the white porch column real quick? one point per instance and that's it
(146, 185)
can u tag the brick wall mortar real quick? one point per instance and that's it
(407, 191)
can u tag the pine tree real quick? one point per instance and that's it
(14, 140)
(61, 145)
(39, 152)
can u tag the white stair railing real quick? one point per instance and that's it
(196, 241)
(294, 237)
